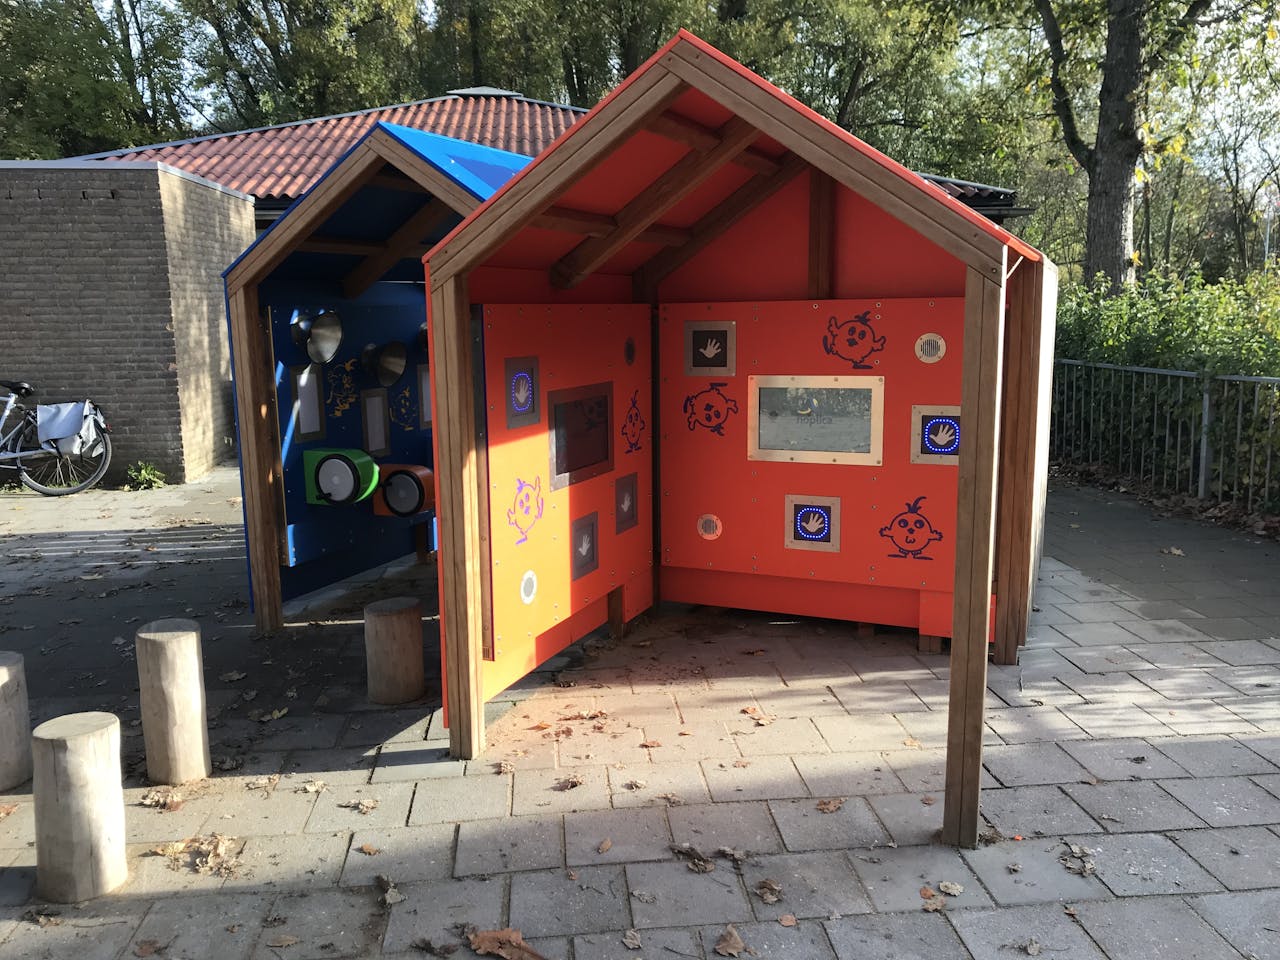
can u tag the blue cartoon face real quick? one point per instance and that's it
(854, 340)
(710, 408)
(526, 509)
(633, 424)
(911, 532)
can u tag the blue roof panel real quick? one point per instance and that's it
(481, 170)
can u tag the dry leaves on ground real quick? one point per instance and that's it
(368, 849)
(1173, 551)
(1078, 860)
(831, 805)
(1032, 947)
(693, 857)
(761, 718)
(7, 809)
(42, 917)
(231, 676)
(729, 943)
(508, 944)
(631, 940)
(739, 857)
(209, 854)
(571, 782)
(312, 786)
(651, 744)
(933, 901)
(266, 784)
(147, 948)
(951, 889)
(769, 891)
(364, 805)
(605, 846)
(390, 895)
(284, 940)
(273, 715)
(928, 801)
(787, 920)
(164, 799)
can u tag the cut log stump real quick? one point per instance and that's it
(15, 722)
(171, 691)
(393, 650)
(79, 807)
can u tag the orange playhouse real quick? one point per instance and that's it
(711, 348)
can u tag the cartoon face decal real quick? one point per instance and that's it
(526, 509)
(710, 408)
(633, 424)
(911, 532)
(854, 340)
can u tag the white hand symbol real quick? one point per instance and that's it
(710, 349)
(522, 392)
(585, 549)
(814, 523)
(626, 503)
(943, 436)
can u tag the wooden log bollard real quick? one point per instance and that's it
(79, 807)
(171, 692)
(15, 722)
(393, 650)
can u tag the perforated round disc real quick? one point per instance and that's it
(528, 586)
(337, 479)
(710, 527)
(930, 348)
(404, 493)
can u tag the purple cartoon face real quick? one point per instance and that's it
(526, 509)
(854, 340)
(911, 532)
(710, 408)
(633, 424)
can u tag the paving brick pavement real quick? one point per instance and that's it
(1131, 792)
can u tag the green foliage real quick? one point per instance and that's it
(144, 476)
(1227, 327)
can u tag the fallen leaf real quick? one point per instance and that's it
(634, 785)
(759, 652)
(631, 940)
(951, 889)
(742, 763)
(273, 715)
(928, 801)
(830, 806)
(508, 944)
(729, 943)
(264, 783)
(769, 891)
(505, 766)
(363, 805)
(284, 940)
(761, 718)
(644, 897)
(737, 856)
(1032, 947)
(787, 920)
(693, 857)
(605, 846)
(671, 799)
(934, 904)
(913, 743)
(568, 783)
(390, 895)
(1014, 867)
(541, 725)
(927, 893)
(313, 786)
(650, 744)
(1173, 551)
(368, 849)
(1070, 911)
(146, 948)
(231, 676)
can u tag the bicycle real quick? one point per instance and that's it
(55, 466)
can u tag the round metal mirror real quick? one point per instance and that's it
(385, 363)
(320, 335)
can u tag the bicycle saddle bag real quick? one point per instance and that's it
(66, 427)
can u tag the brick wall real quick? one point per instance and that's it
(87, 308)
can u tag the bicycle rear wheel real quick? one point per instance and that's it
(57, 476)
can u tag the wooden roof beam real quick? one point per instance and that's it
(392, 179)
(723, 216)
(690, 172)
(568, 220)
(339, 245)
(406, 241)
(673, 126)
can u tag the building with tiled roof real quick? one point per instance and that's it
(276, 165)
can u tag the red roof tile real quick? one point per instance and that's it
(280, 163)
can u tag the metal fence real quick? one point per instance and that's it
(1216, 438)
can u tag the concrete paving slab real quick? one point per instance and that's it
(405, 854)
(658, 784)
(1154, 927)
(847, 774)
(1226, 801)
(153, 875)
(805, 827)
(656, 943)
(316, 732)
(875, 699)
(344, 765)
(1232, 628)
(1191, 718)
(816, 884)
(782, 737)
(742, 826)
(862, 732)
(1107, 659)
(689, 741)
(1029, 871)
(1028, 724)
(1243, 858)
(757, 778)
(263, 811)
(1245, 920)
(1034, 811)
(467, 798)
(894, 876)
(1214, 756)
(1143, 864)
(1027, 764)
(559, 791)
(431, 910)
(283, 863)
(504, 846)
(1169, 656)
(1262, 680)
(415, 760)
(631, 835)
(386, 726)
(1115, 719)
(1103, 611)
(900, 936)
(1267, 747)
(98, 930)
(804, 941)
(1165, 631)
(566, 902)
(909, 819)
(670, 894)
(1026, 931)
(1093, 634)
(1134, 806)
(1127, 759)
(333, 811)
(325, 924)
(187, 925)
(1241, 653)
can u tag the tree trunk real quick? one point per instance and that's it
(1109, 230)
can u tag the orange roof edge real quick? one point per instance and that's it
(1019, 246)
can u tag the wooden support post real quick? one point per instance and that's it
(822, 230)
(393, 650)
(79, 807)
(171, 693)
(927, 643)
(975, 542)
(15, 722)
(1024, 444)
(617, 614)
(460, 503)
